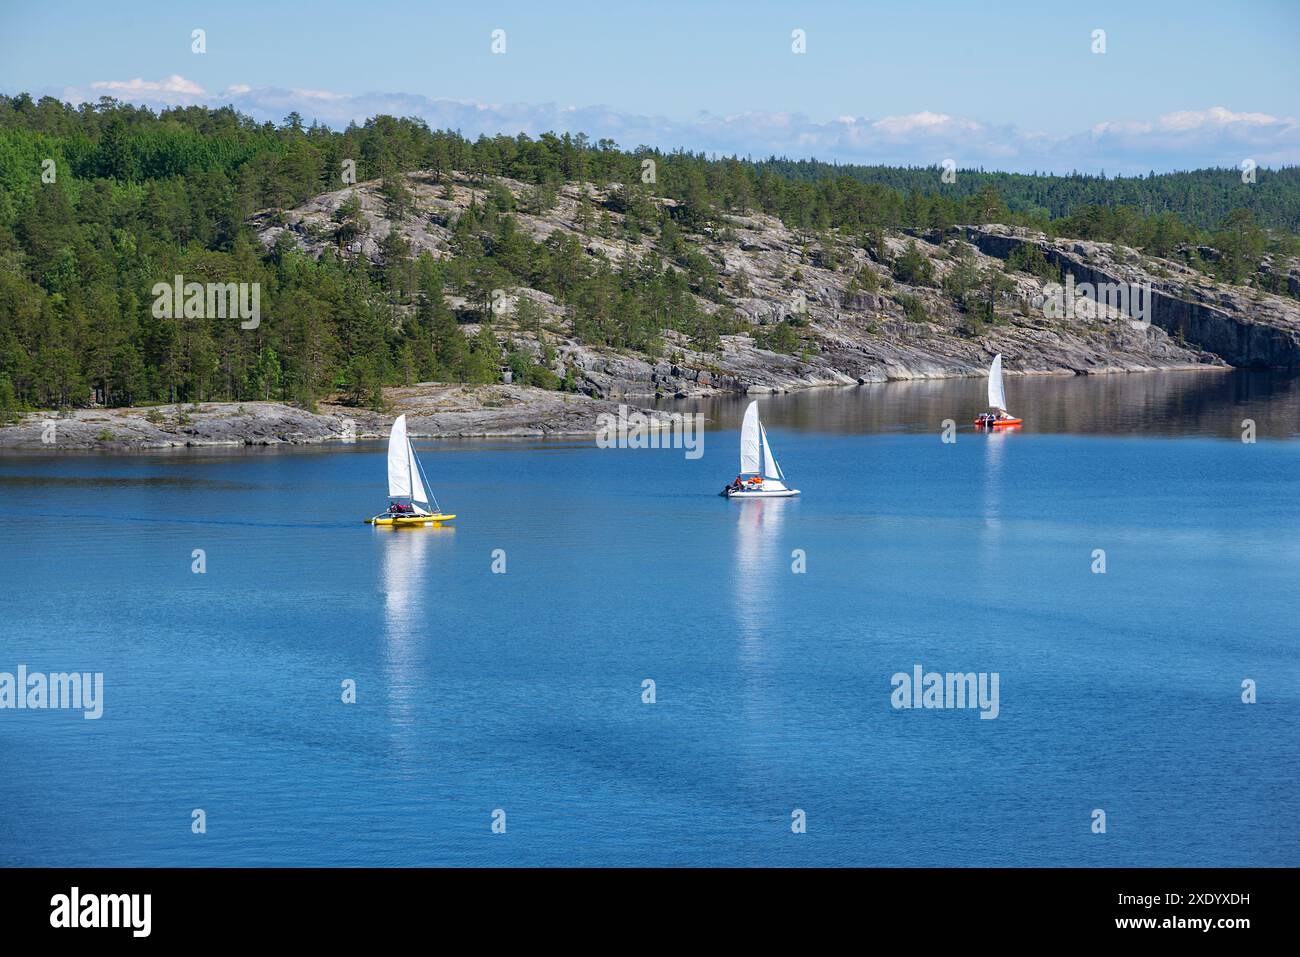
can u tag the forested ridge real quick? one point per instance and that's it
(1202, 198)
(101, 202)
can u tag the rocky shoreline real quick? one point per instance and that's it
(433, 410)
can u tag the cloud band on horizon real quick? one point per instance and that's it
(1187, 139)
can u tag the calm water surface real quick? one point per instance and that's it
(523, 691)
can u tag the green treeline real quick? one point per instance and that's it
(101, 202)
(1201, 198)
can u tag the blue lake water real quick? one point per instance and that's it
(522, 691)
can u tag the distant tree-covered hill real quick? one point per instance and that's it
(1202, 197)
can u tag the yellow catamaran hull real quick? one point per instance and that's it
(400, 521)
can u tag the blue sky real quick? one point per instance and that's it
(1011, 85)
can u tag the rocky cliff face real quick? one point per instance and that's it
(1243, 326)
(859, 321)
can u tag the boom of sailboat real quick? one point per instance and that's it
(407, 486)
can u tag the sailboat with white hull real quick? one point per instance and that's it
(760, 474)
(407, 486)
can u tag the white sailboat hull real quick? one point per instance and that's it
(761, 492)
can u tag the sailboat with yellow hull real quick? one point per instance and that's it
(407, 486)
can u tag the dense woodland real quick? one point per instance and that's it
(1203, 198)
(136, 197)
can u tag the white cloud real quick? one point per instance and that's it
(173, 86)
(320, 95)
(1215, 136)
(932, 123)
(1216, 117)
(1191, 138)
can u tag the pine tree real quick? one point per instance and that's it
(483, 364)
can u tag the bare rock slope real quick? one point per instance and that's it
(858, 320)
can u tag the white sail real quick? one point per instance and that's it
(749, 442)
(770, 469)
(403, 473)
(997, 397)
(399, 461)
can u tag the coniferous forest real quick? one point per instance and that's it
(100, 202)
